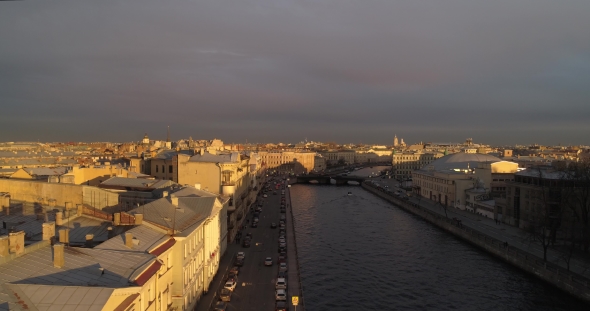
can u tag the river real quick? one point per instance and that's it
(359, 252)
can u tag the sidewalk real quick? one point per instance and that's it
(515, 237)
(294, 280)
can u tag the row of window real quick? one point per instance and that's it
(170, 168)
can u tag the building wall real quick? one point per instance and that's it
(163, 169)
(403, 164)
(206, 174)
(33, 191)
(92, 176)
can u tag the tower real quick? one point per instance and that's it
(146, 140)
(168, 142)
(395, 142)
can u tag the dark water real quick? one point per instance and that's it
(360, 253)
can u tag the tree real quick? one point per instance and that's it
(545, 215)
(577, 198)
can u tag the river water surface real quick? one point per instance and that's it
(359, 252)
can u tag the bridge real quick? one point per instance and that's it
(325, 179)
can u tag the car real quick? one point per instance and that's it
(282, 274)
(282, 249)
(281, 283)
(225, 294)
(280, 294)
(265, 195)
(241, 255)
(246, 244)
(283, 210)
(282, 240)
(249, 234)
(254, 225)
(268, 261)
(282, 226)
(281, 259)
(281, 244)
(281, 306)
(230, 284)
(240, 262)
(273, 225)
(220, 306)
(283, 266)
(232, 275)
(235, 270)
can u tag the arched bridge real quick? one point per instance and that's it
(325, 179)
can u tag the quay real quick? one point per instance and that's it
(500, 240)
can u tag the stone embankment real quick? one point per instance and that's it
(567, 281)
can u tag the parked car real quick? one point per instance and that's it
(235, 270)
(268, 261)
(282, 274)
(220, 306)
(280, 294)
(225, 294)
(241, 255)
(240, 262)
(281, 306)
(245, 244)
(281, 283)
(230, 284)
(283, 266)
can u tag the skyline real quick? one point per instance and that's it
(257, 70)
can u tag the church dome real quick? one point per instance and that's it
(460, 160)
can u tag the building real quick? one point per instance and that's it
(464, 180)
(404, 163)
(288, 161)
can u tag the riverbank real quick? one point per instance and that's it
(491, 241)
(295, 288)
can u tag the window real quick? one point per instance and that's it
(170, 169)
(163, 170)
(156, 168)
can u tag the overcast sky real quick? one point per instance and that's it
(501, 72)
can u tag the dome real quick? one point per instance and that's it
(460, 160)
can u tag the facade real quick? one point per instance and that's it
(404, 163)
(288, 161)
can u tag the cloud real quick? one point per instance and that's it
(329, 70)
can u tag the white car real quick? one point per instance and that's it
(265, 196)
(281, 283)
(241, 255)
(268, 261)
(281, 295)
(230, 284)
(283, 266)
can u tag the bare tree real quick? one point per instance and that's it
(545, 218)
(577, 198)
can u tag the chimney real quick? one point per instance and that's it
(48, 230)
(174, 201)
(164, 194)
(4, 246)
(16, 242)
(64, 236)
(68, 205)
(59, 218)
(89, 240)
(117, 219)
(129, 239)
(52, 202)
(138, 219)
(58, 256)
(80, 209)
(110, 232)
(5, 201)
(198, 186)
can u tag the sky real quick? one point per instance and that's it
(501, 72)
